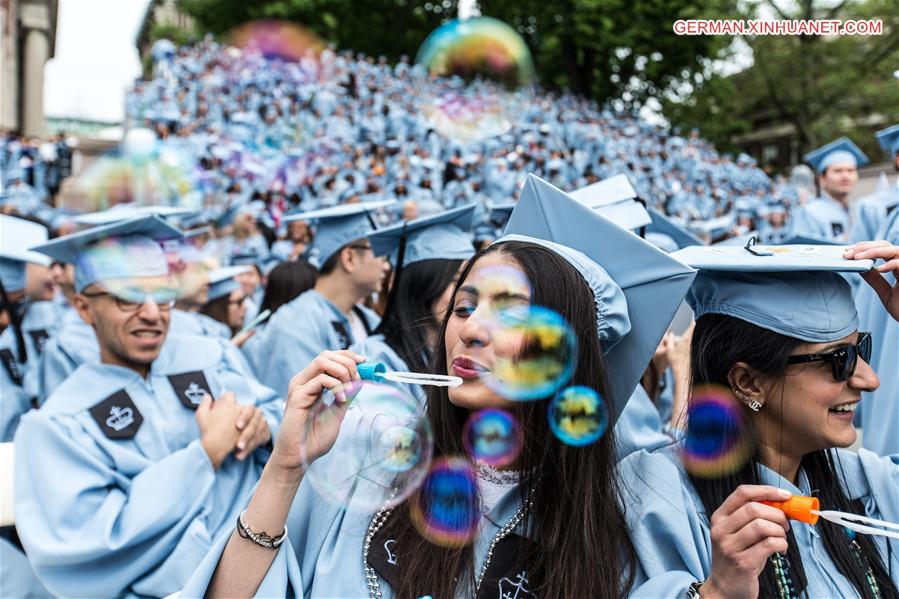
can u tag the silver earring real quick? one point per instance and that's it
(755, 405)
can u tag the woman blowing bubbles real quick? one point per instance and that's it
(784, 339)
(554, 519)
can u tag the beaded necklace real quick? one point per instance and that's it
(787, 590)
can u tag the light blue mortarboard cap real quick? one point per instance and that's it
(889, 140)
(497, 217)
(840, 150)
(17, 235)
(122, 212)
(222, 282)
(663, 225)
(613, 262)
(123, 250)
(337, 226)
(443, 236)
(791, 290)
(616, 199)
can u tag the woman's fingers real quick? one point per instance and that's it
(746, 493)
(753, 511)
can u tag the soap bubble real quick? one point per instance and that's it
(141, 172)
(492, 436)
(382, 452)
(544, 356)
(277, 40)
(445, 510)
(577, 416)
(716, 443)
(474, 77)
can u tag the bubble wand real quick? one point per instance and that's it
(377, 372)
(805, 509)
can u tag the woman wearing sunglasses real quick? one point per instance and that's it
(784, 341)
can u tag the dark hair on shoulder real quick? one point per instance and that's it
(718, 343)
(577, 553)
(286, 282)
(406, 321)
(218, 309)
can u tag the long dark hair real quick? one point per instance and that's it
(286, 282)
(218, 309)
(409, 316)
(576, 513)
(718, 343)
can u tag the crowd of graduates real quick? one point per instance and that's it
(161, 363)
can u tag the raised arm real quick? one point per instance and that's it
(244, 564)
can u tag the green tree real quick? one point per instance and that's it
(619, 50)
(823, 86)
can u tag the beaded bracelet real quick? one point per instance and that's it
(260, 538)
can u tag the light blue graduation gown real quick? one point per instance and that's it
(296, 333)
(670, 527)
(194, 323)
(880, 409)
(17, 579)
(323, 555)
(824, 218)
(73, 344)
(18, 384)
(639, 426)
(375, 349)
(106, 510)
(869, 215)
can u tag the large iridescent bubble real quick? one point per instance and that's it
(717, 442)
(275, 39)
(143, 172)
(577, 416)
(382, 452)
(535, 353)
(492, 436)
(474, 78)
(445, 510)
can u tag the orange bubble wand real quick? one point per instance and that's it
(805, 509)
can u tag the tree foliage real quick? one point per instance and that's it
(824, 86)
(619, 50)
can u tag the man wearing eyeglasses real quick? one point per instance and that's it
(134, 464)
(331, 315)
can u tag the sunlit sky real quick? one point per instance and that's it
(96, 59)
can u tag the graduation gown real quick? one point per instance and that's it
(73, 344)
(879, 416)
(869, 215)
(194, 323)
(300, 330)
(375, 349)
(18, 385)
(639, 426)
(115, 495)
(671, 533)
(323, 555)
(823, 218)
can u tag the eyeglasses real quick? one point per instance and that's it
(843, 360)
(163, 303)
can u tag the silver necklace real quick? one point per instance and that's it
(371, 576)
(498, 477)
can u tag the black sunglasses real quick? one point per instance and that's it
(843, 360)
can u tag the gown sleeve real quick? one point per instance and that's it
(82, 522)
(669, 533)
